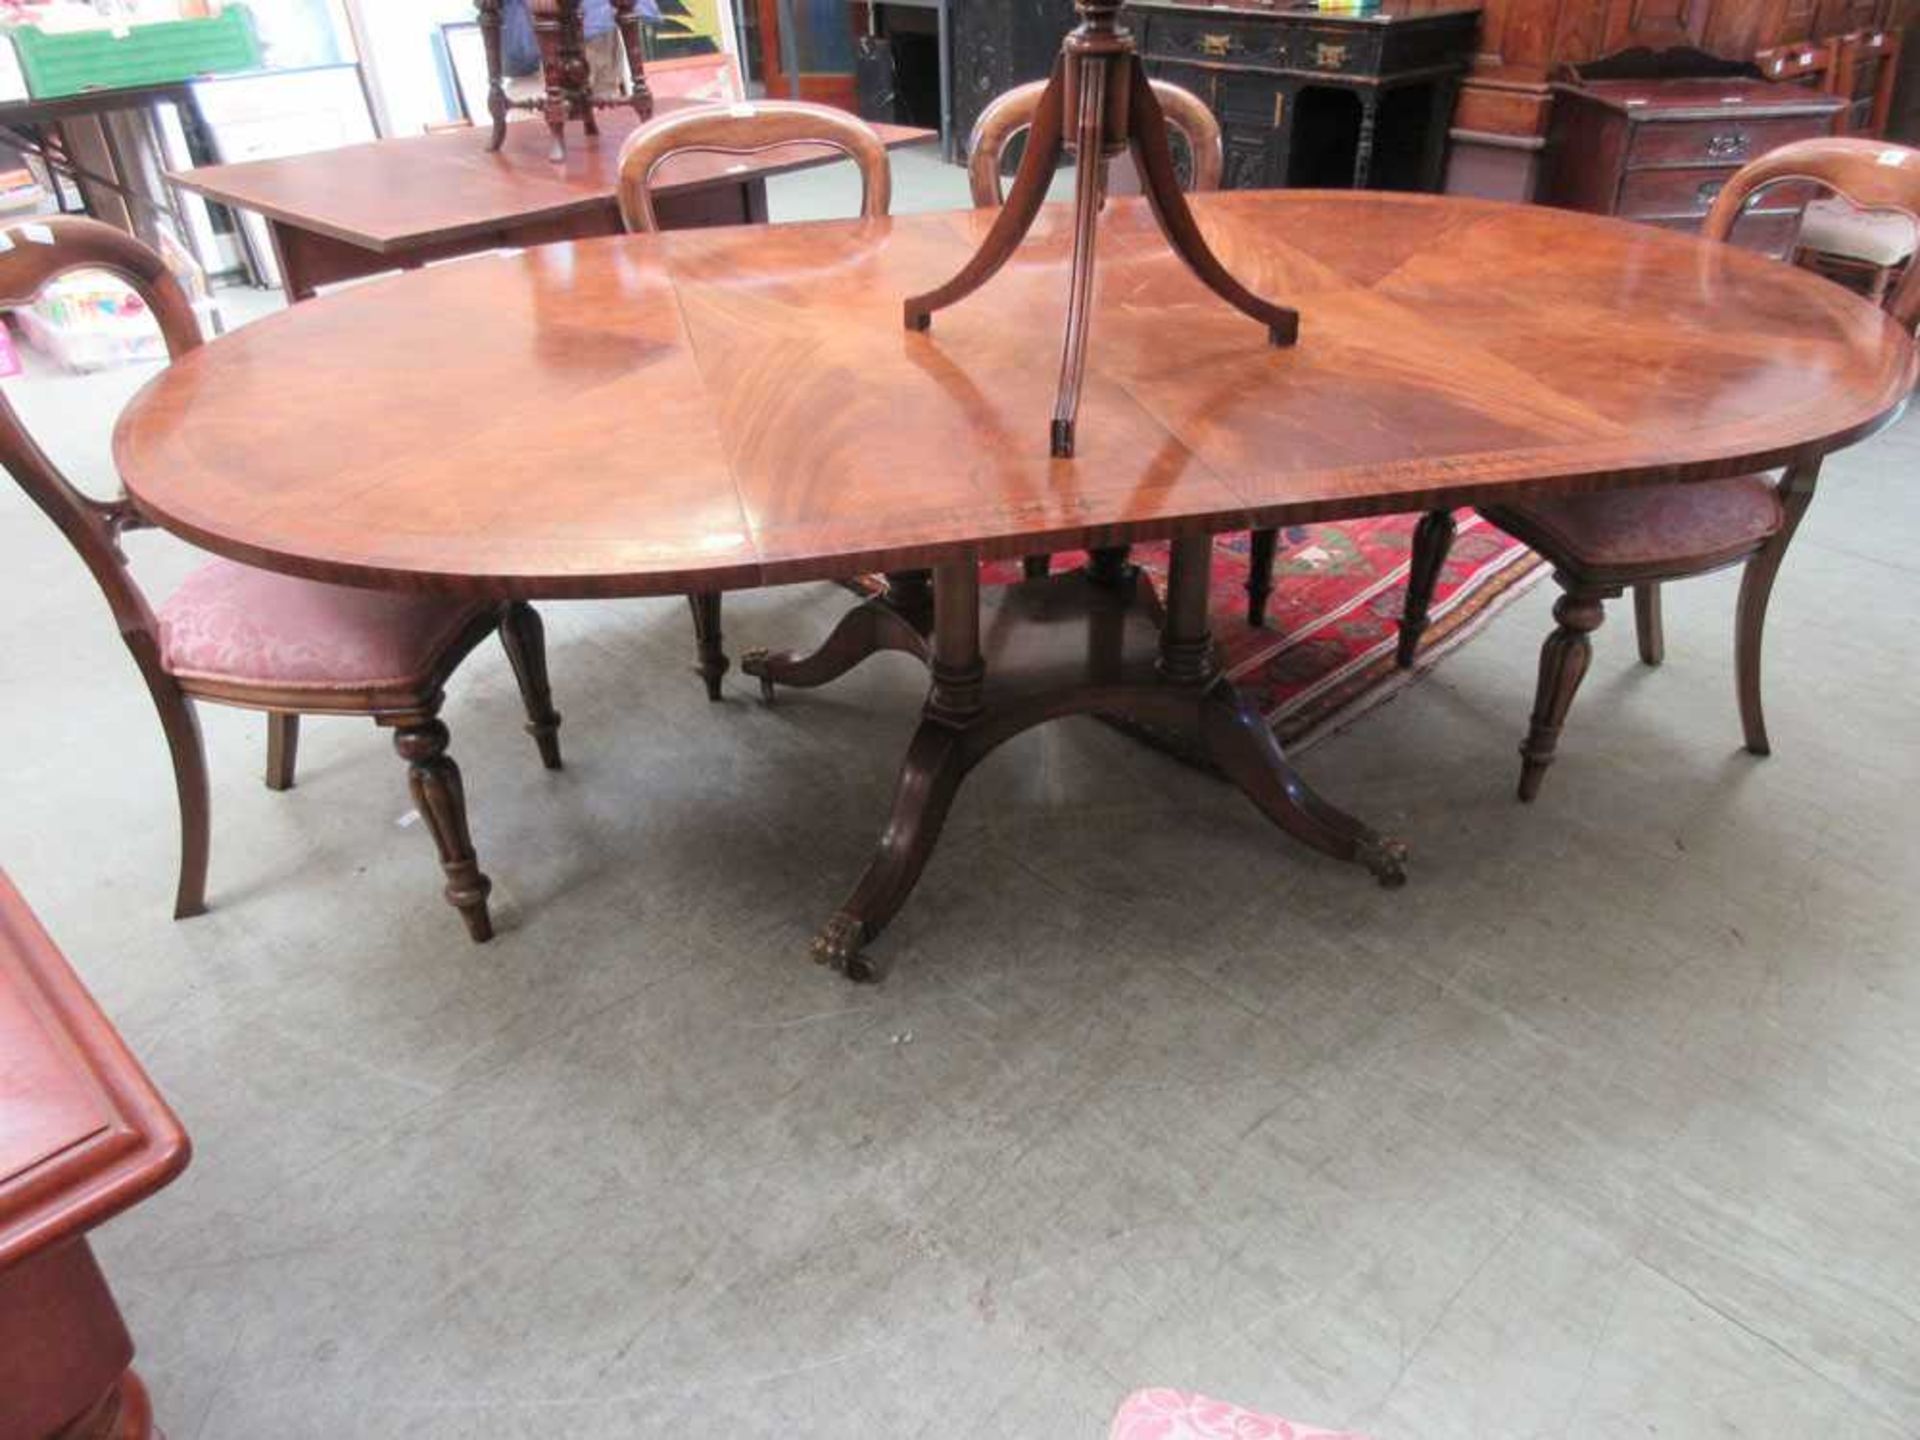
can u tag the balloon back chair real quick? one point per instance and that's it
(233, 634)
(742, 130)
(1603, 544)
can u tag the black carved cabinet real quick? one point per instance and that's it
(1306, 97)
(998, 44)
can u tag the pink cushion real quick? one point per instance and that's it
(1182, 1415)
(1655, 523)
(233, 622)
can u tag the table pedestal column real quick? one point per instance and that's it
(64, 1353)
(1062, 645)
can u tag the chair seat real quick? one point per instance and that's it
(238, 624)
(1702, 524)
(1834, 227)
(1182, 1415)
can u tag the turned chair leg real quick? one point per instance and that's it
(182, 728)
(283, 749)
(711, 661)
(1261, 545)
(524, 637)
(1432, 539)
(1647, 623)
(1563, 665)
(440, 796)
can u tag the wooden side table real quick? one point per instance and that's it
(563, 62)
(83, 1135)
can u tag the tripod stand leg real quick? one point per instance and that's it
(1029, 192)
(1089, 181)
(1147, 135)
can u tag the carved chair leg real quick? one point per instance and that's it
(182, 727)
(524, 637)
(283, 749)
(1261, 545)
(440, 796)
(1432, 539)
(1037, 567)
(1647, 623)
(1756, 589)
(1563, 665)
(712, 662)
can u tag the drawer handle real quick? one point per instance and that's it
(1728, 146)
(1329, 57)
(1708, 190)
(1216, 45)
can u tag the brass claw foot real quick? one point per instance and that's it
(838, 944)
(754, 662)
(1387, 860)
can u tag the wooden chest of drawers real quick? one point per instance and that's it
(1659, 150)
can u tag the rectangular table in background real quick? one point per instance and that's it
(398, 204)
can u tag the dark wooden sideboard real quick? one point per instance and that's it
(1659, 151)
(998, 44)
(1504, 118)
(1308, 97)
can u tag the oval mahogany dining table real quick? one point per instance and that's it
(706, 410)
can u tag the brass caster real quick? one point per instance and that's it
(754, 663)
(838, 944)
(1387, 861)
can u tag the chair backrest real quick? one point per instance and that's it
(33, 254)
(748, 130)
(1012, 114)
(1867, 174)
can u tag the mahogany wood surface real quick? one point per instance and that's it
(1452, 351)
(83, 1135)
(399, 195)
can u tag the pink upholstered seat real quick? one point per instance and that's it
(1620, 529)
(236, 623)
(1182, 1415)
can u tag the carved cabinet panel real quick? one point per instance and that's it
(1656, 24)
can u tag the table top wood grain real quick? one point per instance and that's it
(395, 195)
(724, 408)
(83, 1133)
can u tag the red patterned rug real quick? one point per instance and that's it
(1325, 656)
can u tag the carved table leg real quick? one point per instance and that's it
(489, 16)
(942, 752)
(441, 798)
(1085, 648)
(524, 637)
(1237, 737)
(867, 629)
(556, 25)
(626, 15)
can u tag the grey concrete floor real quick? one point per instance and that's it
(1604, 1126)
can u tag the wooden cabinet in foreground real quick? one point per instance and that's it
(83, 1135)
